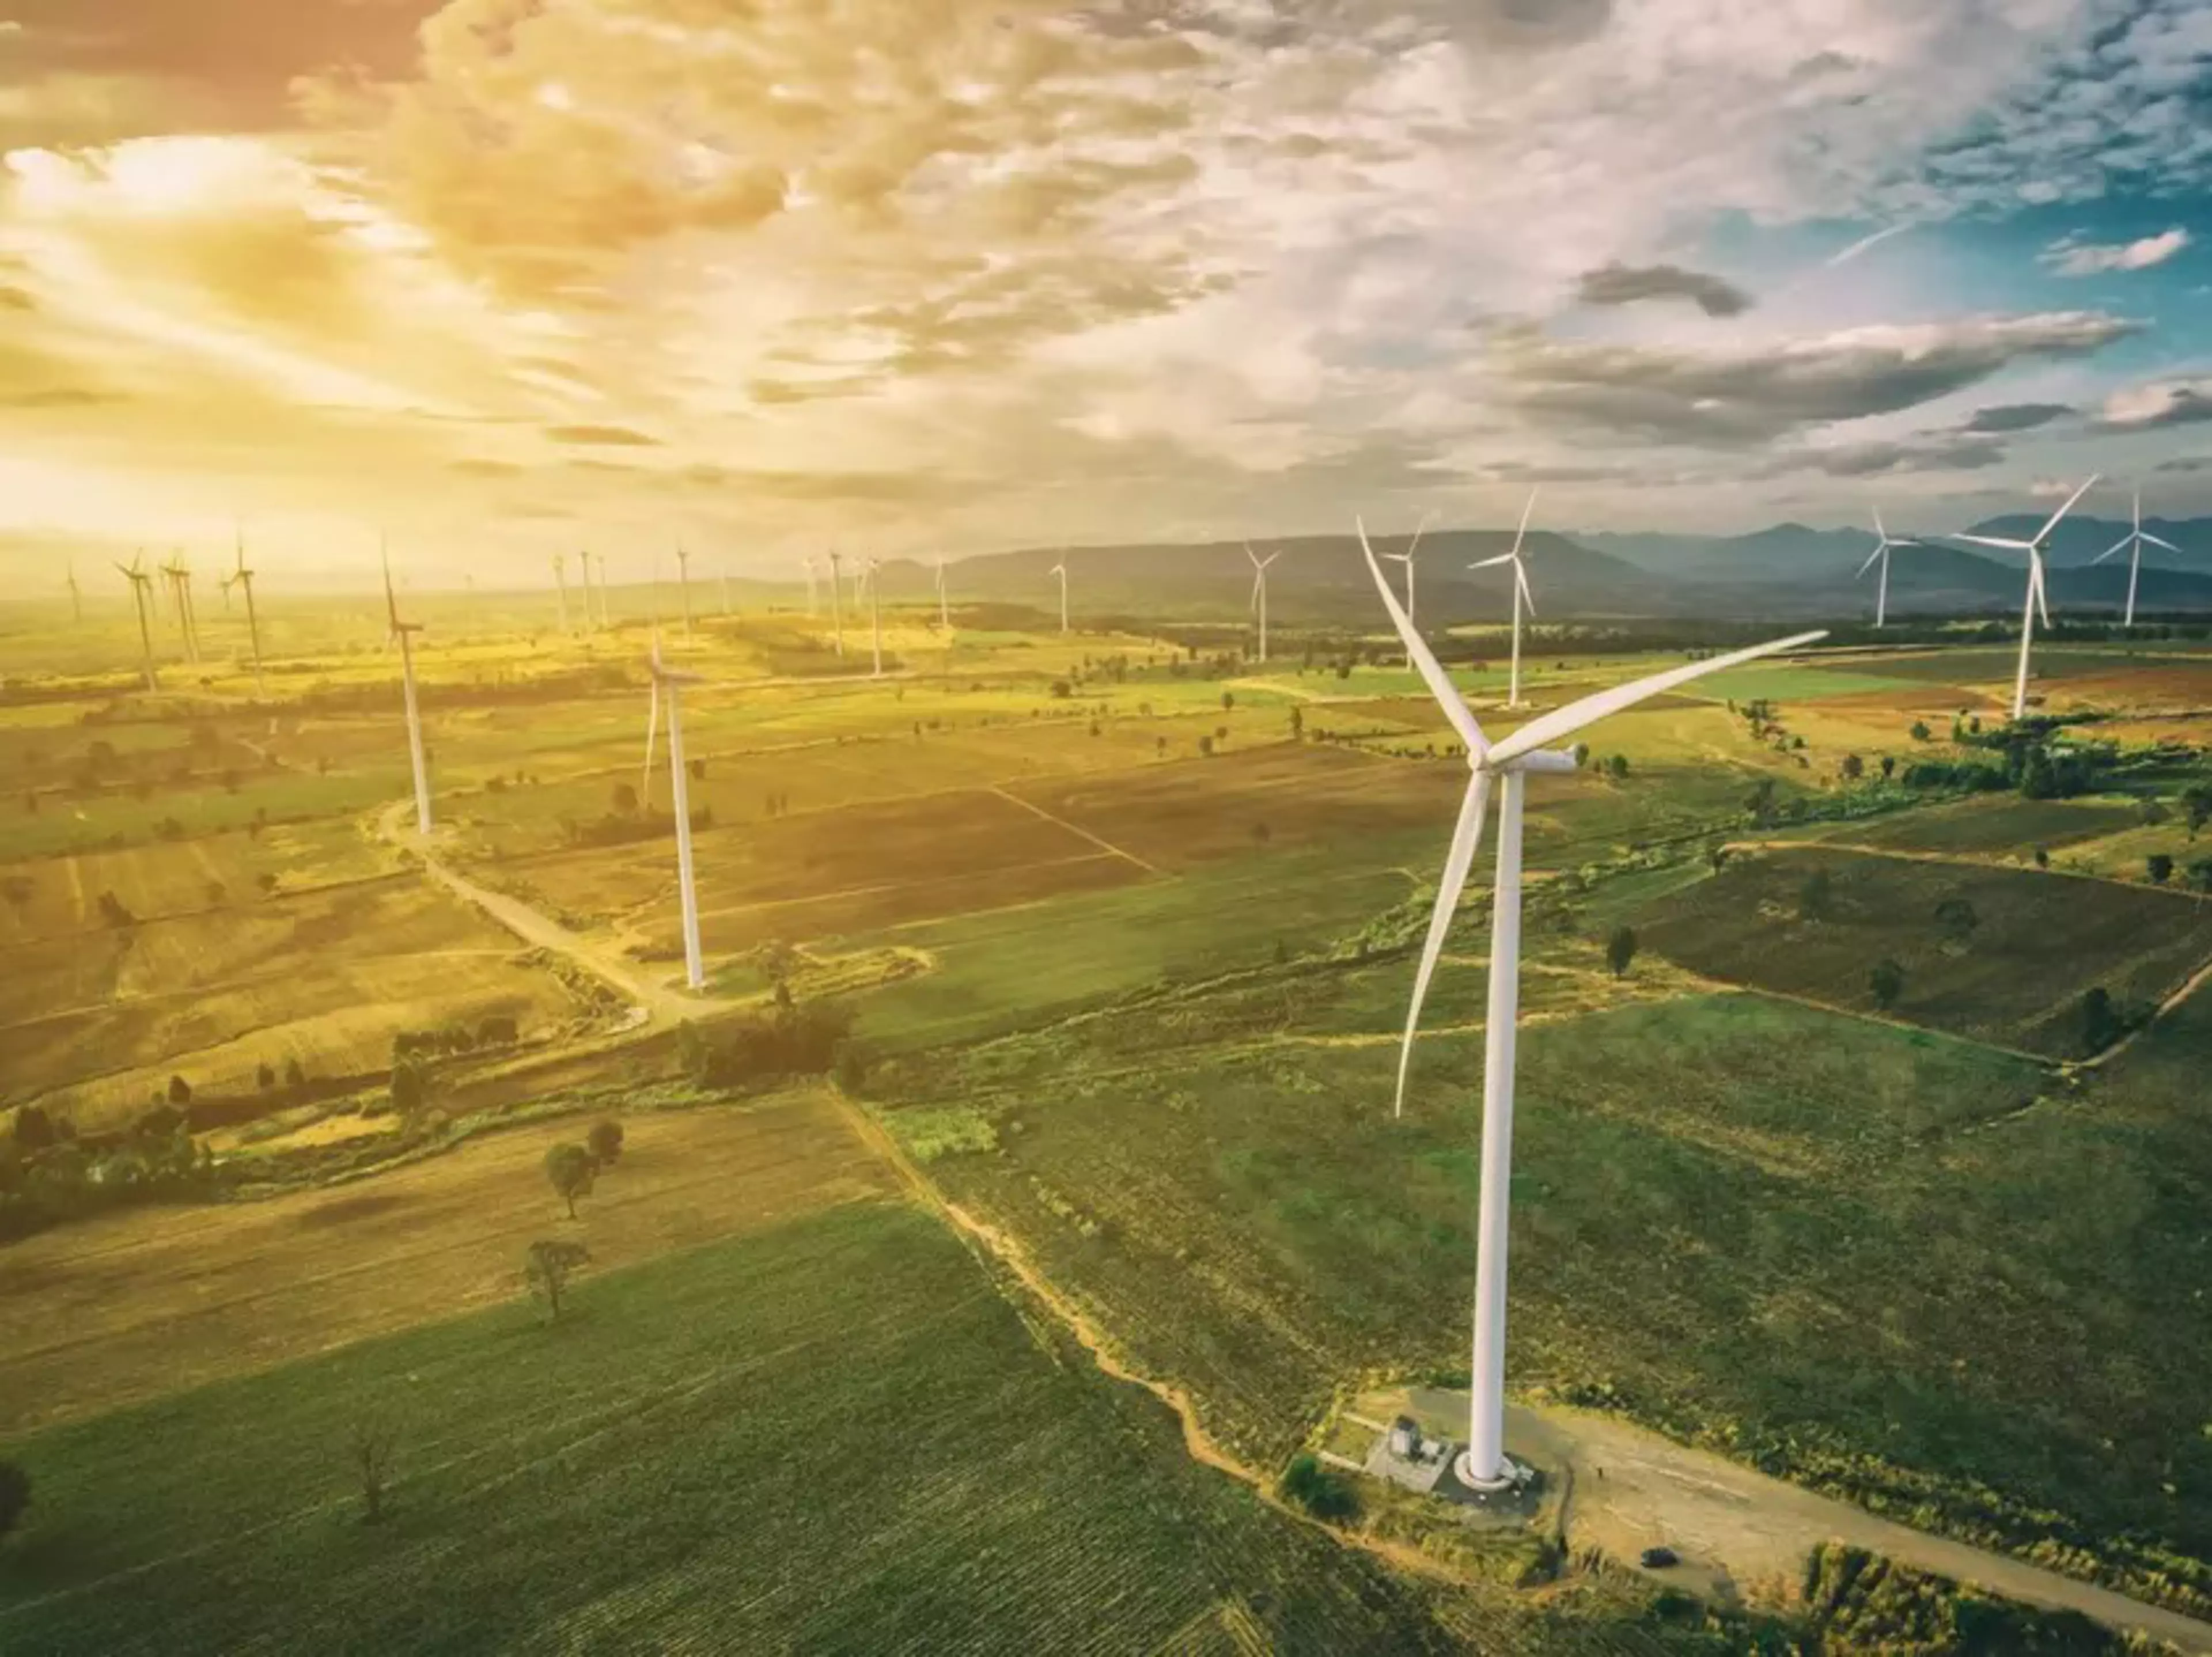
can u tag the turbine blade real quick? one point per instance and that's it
(1993, 541)
(2154, 541)
(2035, 580)
(1258, 582)
(1465, 836)
(1565, 721)
(1253, 555)
(2116, 546)
(1880, 534)
(1420, 529)
(1870, 557)
(1431, 671)
(1523, 530)
(1489, 563)
(1521, 580)
(2044, 534)
(1269, 559)
(651, 729)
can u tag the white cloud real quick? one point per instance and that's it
(2069, 257)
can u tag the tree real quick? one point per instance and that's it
(1854, 768)
(1920, 731)
(1888, 767)
(1582, 755)
(2100, 1023)
(295, 1074)
(267, 881)
(370, 1446)
(2042, 857)
(1816, 897)
(569, 1169)
(2197, 805)
(1319, 1492)
(35, 1130)
(1717, 856)
(605, 1142)
(625, 799)
(1298, 721)
(409, 1086)
(1617, 766)
(1620, 950)
(181, 1090)
(1887, 981)
(2160, 867)
(548, 1266)
(1958, 919)
(14, 1496)
(1205, 746)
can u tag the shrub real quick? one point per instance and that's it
(1323, 1494)
(14, 1496)
(605, 1142)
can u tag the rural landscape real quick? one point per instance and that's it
(1279, 934)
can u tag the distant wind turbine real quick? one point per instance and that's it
(142, 592)
(179, 578)
(1520, 594)
(2033, 547)
(875, 612)
(722, 572)
(1407, 559)
(944, 615)
(836, 614)
(1061, 570)
(77, 598)
(667, 678)
(2135, 538)
(1883, 542)
(561, 586)
(1259, 591)
(684, 585)
(607, 614)
(243, 577)
(405, 632)
(1484, 1465)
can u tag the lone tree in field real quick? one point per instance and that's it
(2160, 867)
(569, 1169)
(2100, 1023)
(1620, 950)
(14, 1496)
(1617, 766)
(547, 1267)
(1816, 897)
(181, 1090)
(2196, 806)
(1854, 768)
(625, 799)
(605, 1142)
(1920, 731)
(2043, 857)
(369, 1448)
(1956, 916)
(1887, 983)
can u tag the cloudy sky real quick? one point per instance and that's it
(504, 276)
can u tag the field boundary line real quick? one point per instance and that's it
(1062, 822)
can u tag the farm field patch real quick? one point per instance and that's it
(2037, 943)
(2007, 828)
(132, 1304)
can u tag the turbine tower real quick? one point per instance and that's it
(2033, 547)
(1520, 594)
(243, 577)
(836, 615)
(561, 586)
(683, 587)
(142, 592)
(1259, 591)
(944, 615)
(1883, 541)
(875, 613)
(177, 576)
(1484, 1465)
(1407, 559)
(666, 678)
(1061, 570)
(77, 598)
(2134, 539)
(404, 631)
(722, 571)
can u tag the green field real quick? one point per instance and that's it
(834, 1438)
(2005, 826)
(2041, 940)
(1898, 1267)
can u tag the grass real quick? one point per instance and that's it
(2040, 944)
(1882, 1262)
(835, 1436)
(2010, 826)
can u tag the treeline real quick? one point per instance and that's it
(1859, 1601)
(761, 1048)
(49, 1175)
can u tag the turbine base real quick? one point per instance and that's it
(1511, 1475)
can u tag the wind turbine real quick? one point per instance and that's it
(561, 586)
(1520, 594)
(180, 580)
(404, 631)
(2135, 538)
(683, 586)
(2033, 547)
(1883, 541)
(1259, 591)
(944, 615)
(722, 571)
(77, 598)
(243, 577)
(665, 677)
(875, 612)
(1061, 570)
(1407, 559)
(836, 615)
(142, 592)
(1511, 760)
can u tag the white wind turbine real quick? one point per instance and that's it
(561, 586)
(836, 615)
(867, 572)
(1521, 594)
(141, 595)
(404, 631)
(77, 597)
(1061, 570)
(683, 585)
(243, 577)
(665, 677)
(1259, 591)
(944, 615)
(2135, 538)
(1407, 559)
(2033, 547)
(1883, 541)
(1484, 1466)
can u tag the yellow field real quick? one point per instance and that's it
(135, 1304)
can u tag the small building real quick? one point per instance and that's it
(1406, 1439)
